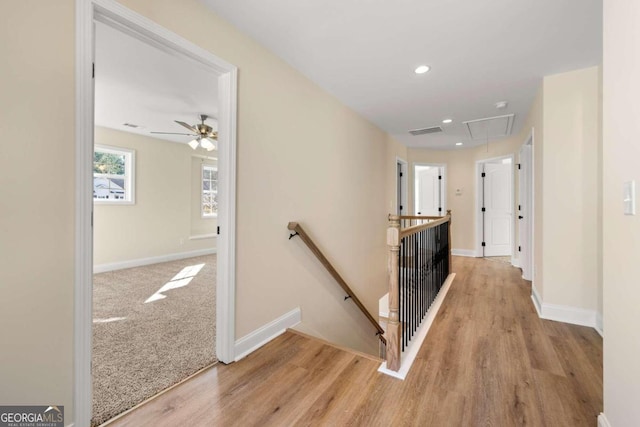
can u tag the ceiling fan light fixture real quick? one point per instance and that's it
(193, 143)
(422, 69)
(205, 143)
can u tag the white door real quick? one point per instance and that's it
(498, 204)
(524, 211)
(428, 191)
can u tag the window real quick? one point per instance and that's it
(113, 175)
(209, 191)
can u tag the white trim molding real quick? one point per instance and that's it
(537, 301)
(102, 268)
(515, 262)
(409, 355)
(563, 313)
(599, 324)
(464, 252)
(256, 339)
(603, 421)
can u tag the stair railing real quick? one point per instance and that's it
(420, 262)
(299, 231)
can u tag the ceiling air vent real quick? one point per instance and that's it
(425, 131)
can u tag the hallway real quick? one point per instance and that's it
(488, 360)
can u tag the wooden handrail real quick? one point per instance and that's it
(294, 226)
(418, 228)
(418, 217)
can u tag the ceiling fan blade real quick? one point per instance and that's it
(174, 133)
(191, 128)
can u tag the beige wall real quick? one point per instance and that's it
(621, 113)
(570, 189)
(166, 211)
(37, 204)
(302, 156)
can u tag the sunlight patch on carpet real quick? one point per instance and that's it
(179, 280)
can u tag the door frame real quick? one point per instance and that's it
(478, 204)
(139, 26)
(527, 174)
(443, 184)
(402, 183)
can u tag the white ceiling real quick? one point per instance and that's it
(141, 84)
(481, 52)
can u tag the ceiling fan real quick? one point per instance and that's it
(202, 133)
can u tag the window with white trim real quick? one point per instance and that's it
(113, 175)
(209, 191)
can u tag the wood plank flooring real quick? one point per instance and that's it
(488, 360)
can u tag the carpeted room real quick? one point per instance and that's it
(155, 219)
(153, 326)
(154, 275)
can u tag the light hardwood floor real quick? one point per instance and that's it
(488, 360)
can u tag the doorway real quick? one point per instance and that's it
(144, 29)
(495, 207)
(525, 208)
(401, 187)
(429, 189)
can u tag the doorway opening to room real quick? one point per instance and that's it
(155, 218)
(401, 187)
(121, 176)
(429, 189)
(494, 211)
(525, 208)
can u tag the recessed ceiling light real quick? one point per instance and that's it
(422, 69)
(458, 143)
(447, 121)
(501, 105)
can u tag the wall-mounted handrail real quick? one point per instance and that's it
(299, 231)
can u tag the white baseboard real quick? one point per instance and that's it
(515, 262)
(602, 420)
(599, 324)
(256, 339)
(102, 268)
(537, 301)
(563, 313)
(409, 355)
(464, 252)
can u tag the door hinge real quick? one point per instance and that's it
(400, 172)
(483, 174)
(519, 248)
(218, 230)
(484, 244)
(519, 207)
(484, 210)
(93, 70)
(519, 166)
(439, 176)
(439, 209)
(401, 207)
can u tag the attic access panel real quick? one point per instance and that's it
(490, 127)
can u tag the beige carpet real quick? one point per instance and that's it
(144, 340)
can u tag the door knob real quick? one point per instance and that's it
(520, 217)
